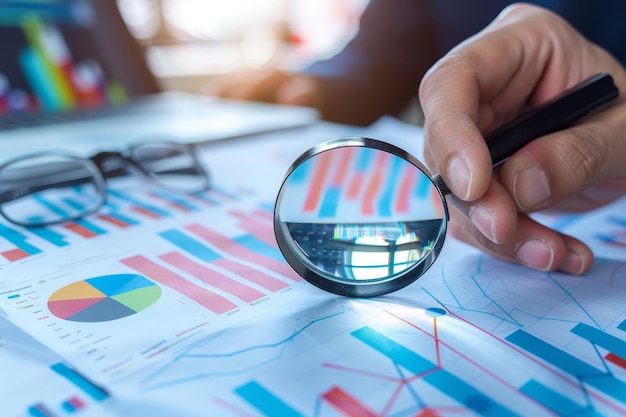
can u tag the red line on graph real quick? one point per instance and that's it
(374, 185)
(212, 277)
(241, 252)
(617, 360)
(361, 372)
(436, 336)
(15, 254)
(317, 184)
(212, 301)
(406, 189)
(347, 404)
(517, 350)
(113, 220)
(80, 230)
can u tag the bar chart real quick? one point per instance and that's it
(123, 211)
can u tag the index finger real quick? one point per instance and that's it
(481, 83)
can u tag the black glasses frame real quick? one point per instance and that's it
(102, 166)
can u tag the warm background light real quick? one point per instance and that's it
(190, 41)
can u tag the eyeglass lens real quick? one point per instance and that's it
(48, 189)
(171, 165)
(44, 189)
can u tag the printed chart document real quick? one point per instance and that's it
(165, 304)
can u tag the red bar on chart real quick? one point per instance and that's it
(113, 220)
(264, 214)
(206, 298)
(15, 254)
(251, 274)
(241, 252)
(346, 404)
(613, 358)
(374, 185)
(407, 184)
(212, 277)
(148, 213)
(80, 230)
(261, 230)
(318, 182)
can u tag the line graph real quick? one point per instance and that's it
(475, 337)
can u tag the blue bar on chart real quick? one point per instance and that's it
(622, 326)
(558, 358)
(434, 375)
(556, 401)
(23, 248)
(266, 402)
(259, 246)
(49, 235)
(190, 245)
(209, 255)
(601, 338)
(80, 382)
(39, 410)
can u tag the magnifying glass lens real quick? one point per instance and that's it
(359, 217)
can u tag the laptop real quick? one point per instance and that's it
(73, 77)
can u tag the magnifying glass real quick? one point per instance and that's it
(360, 217)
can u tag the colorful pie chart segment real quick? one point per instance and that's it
(104, 298)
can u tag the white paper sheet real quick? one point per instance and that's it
(222, 326)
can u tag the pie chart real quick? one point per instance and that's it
(104, 298)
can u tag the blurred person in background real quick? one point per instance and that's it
(378, 72)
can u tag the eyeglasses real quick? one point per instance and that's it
(47, 188)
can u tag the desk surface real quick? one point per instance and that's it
(166, 305)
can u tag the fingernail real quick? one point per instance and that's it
(537, 254)
(573, 263)
(460, 176)
(482, 217)
(531, 187)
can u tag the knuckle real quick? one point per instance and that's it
(582, 156)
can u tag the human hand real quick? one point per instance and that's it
(525, 57)
(272, 86)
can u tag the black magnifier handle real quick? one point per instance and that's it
(552, 116)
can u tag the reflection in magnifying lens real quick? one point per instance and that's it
(359, 217)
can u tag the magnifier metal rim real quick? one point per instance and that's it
(363, 288)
